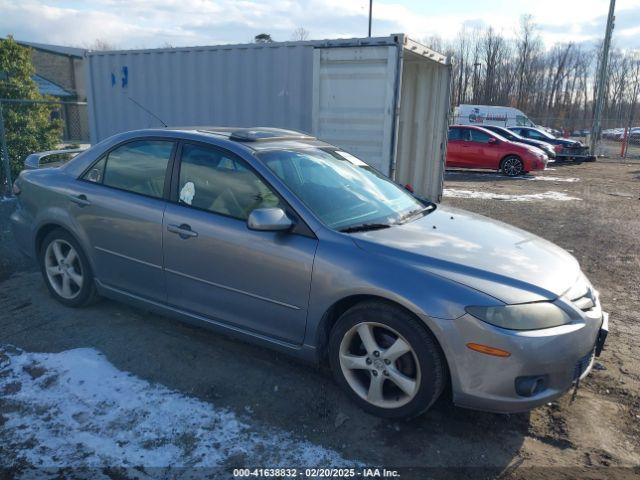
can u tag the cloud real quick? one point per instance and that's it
(625, 33)
(147, 23)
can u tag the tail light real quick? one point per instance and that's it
(16, 188)
(558, 148)
(409, 187)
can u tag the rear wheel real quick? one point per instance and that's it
(66, 270)
(386, 361)
(512, 166)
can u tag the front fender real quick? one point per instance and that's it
(342, 270)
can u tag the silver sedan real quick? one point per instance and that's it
(276, 237)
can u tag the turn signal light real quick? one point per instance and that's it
(496, 352)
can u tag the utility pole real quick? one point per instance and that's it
(602, 77)
(370, 14)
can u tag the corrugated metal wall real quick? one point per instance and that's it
(347, 92)
(353, 100)
(248, 85)
(422, 130)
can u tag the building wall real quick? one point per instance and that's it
(68, 72)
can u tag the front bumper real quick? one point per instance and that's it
(560, 355)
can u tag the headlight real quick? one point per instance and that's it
(525, 316)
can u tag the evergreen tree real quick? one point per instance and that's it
(28, 127)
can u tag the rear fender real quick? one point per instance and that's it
(61, 218)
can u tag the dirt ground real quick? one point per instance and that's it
(597, 219)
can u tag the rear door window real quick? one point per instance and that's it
(480, 137)
(465, 134)
(138, 167)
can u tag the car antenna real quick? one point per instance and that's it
(148, 111)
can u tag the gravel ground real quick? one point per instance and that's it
(591, 209)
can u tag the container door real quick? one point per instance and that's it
(423, 122)
(353, 98)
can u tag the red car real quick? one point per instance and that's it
(476, 147)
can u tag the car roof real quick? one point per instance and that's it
(475, 127)
(499, 127)
(254, 138)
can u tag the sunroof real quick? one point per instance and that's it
(266, 134)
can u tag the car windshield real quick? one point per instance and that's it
(505, 133)
(543, 133)
(341, 190)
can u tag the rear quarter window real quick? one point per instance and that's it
(455, 134)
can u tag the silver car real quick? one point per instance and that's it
(276, 237)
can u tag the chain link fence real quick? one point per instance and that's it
(616, 139)
(27, 126)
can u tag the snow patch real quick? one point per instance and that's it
(523, 177)
(75, 409)
(528, 197)
(553, 179)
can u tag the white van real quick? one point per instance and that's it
(490, 115)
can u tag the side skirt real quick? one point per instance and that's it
(303, 352)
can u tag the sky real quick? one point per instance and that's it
(156, 23)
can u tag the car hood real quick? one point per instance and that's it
(507, 263)
(539, 143)
(569, 143)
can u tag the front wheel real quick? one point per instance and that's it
(386, 361)
(512, 166)
(66, 270)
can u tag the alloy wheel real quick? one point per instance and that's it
(379, 365)
(63, 268)
(512, 166)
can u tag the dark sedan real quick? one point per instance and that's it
(514, 137)
(564, 147)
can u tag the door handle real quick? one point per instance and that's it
(80, 200)
(183, 230)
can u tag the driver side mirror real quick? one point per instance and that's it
(269, 220)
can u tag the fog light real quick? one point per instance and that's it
(532, 385)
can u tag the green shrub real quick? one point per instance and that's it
(29, 127)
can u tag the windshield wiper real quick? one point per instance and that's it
(414, 213)
(365, 227)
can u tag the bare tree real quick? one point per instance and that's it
(528, 45)
(300, 34)
(555, 86)
(100, 44)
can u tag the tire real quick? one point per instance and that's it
(373, 380)
(512, 166)
(68, 276)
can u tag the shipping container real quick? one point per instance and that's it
(384, 99)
